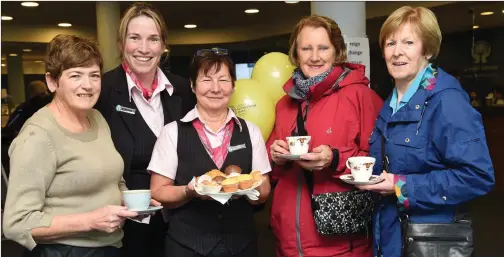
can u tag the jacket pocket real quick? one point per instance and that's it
(409, 150)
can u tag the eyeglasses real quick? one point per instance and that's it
(215, 50)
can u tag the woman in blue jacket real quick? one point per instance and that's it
(434, 140)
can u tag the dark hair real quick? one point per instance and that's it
(207, 61)
(68, 51)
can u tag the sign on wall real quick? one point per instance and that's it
(358, 52)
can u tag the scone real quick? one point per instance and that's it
(232, 169)
(257, 175)
(215, 173)
(230, 185)
(219, 179)
(245, 181)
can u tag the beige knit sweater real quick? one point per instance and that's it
(56, 172)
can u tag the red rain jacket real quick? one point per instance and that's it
(342, 117)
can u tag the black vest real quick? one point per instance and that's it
(201, 224)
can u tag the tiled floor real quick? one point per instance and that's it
(488, 213)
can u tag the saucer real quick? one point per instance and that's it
(292, 157)
(374, 179)
(151, 209)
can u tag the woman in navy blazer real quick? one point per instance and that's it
(137, 100)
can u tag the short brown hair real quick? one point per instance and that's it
(136, 10)
(206, 62)
(424, 22)
(69, 51)
(333, 31)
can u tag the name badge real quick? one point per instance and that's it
(120, 108)
(236, 147)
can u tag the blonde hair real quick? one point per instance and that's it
(136, 10)
(424, 22)
(333, 31)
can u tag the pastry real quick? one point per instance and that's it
(232, 169)
(245, 181)
(230, 185)
(215, 173)
(203, 178)
(257, 175)
(219, 179)
(209, 183)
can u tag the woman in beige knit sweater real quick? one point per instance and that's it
(65, 185)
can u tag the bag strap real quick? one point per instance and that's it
(300, 129)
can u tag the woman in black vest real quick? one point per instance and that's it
(198, 143)
(137, 100)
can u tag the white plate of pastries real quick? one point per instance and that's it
(231, 181)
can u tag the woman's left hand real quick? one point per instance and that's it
(385, 187)
(320, 157)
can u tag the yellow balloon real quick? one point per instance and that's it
(273, 70)
(249, 103)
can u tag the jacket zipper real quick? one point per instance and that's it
(298, 196)
(298, 207)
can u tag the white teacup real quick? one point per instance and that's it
(361, 167)
(298, 145)
(137, 200)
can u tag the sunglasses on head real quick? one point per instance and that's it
(217, 51)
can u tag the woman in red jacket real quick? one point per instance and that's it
(339, 111)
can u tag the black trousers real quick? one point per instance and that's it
(144, 239)
(60, 250)
(174, 249)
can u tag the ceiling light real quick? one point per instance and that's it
(251, 11)
(39, 61)
(29, 4)
(486, 13)
(3, 58)
(475, 27)
(292, 2)
(64, 24)
(6, 18)
(502, 11)
(26, 50)
(190, 26)
(12, 54)
(3, 64)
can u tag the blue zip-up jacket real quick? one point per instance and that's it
(437, 143)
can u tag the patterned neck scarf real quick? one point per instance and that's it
(302, 84)
(219, 153)
(146, 92)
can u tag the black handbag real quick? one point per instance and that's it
(336, 213)
(453, 239)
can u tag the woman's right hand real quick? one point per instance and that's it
(109, 218)
(279, 147)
